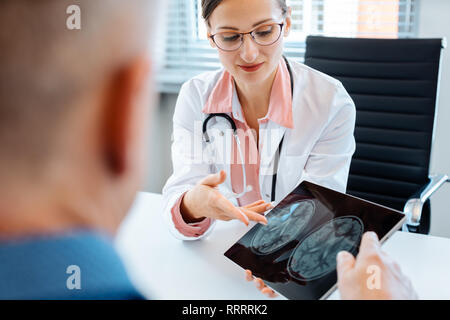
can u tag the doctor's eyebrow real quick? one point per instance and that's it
(254, 25)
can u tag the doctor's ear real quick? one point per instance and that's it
(288, 19)
(208, 35)
(211, 42)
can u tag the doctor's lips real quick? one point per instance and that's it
(251, 68)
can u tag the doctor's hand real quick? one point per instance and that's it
(206, 201)
(372, 275)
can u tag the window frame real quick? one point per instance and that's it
(187, 54)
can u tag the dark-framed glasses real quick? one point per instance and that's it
(264, 36)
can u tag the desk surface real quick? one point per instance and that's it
(163, 267)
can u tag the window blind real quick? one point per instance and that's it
(188, 52)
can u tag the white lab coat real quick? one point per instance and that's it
(318, 149)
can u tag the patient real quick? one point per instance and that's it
(74, 115)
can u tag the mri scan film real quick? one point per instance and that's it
(283, 226)
(295, 253)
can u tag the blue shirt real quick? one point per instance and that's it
(79, 265)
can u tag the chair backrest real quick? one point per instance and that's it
(393, 83)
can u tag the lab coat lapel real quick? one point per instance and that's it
(270, 139)
(221, 136)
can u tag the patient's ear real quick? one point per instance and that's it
(121, 112)
(208, 35)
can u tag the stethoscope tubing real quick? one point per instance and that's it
(238, 143)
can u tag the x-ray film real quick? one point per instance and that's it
(315, 256)
(282, 227)
(295, 253)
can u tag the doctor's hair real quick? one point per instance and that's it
(208, 7)
(49, 71)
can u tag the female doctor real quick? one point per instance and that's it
(246, 135)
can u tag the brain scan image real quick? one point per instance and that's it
(283, 226)
(315, 256)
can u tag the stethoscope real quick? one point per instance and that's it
(247, 188)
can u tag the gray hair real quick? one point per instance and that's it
(45, 68)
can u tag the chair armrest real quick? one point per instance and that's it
(413, 207)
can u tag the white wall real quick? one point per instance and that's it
(434, 22)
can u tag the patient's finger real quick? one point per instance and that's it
(369, 244)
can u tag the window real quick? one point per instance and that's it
(188, 52)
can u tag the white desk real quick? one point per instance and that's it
(163, 267)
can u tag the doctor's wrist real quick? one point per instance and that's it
(187, 213)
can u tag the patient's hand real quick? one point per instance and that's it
(372, 275)
(260, 285)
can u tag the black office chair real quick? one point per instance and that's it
(394, 84)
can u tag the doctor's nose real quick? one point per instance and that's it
(249, 49)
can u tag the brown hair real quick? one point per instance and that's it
(208, 7)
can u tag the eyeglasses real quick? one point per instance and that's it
(263, 35)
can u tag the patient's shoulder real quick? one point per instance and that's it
(83, 265)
